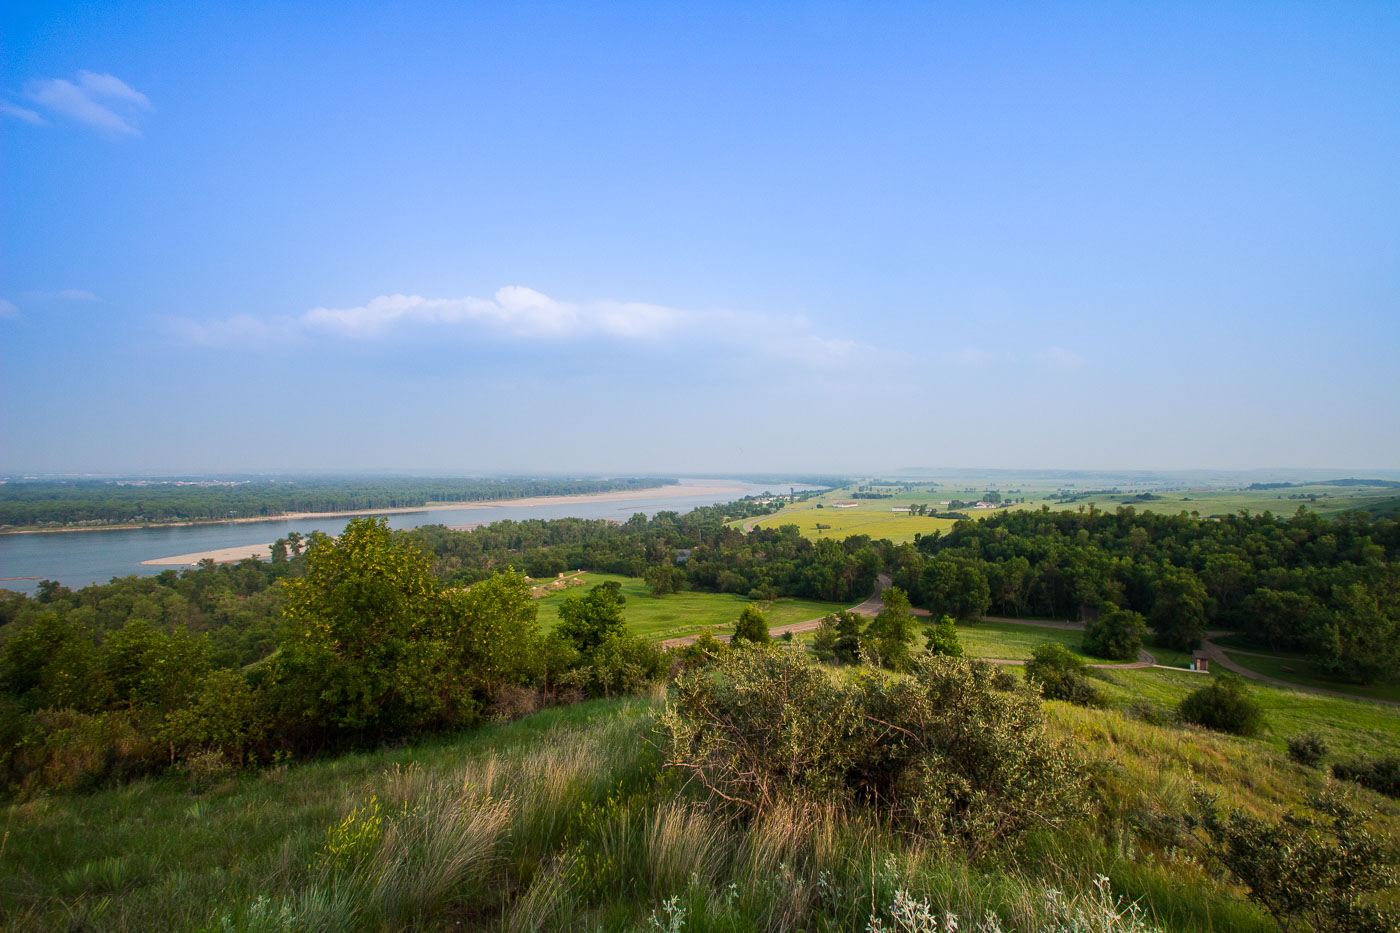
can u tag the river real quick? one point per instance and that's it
(80, 558)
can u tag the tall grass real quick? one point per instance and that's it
(564, 821)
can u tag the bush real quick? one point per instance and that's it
(941, 752)
(942, 638)
(1323, 868)
(1381, 775)
(752, 627)
(1062, 675)
(1307, 749)
(622, 663)
(1116, 633)
(1224, 705)
(838, 637)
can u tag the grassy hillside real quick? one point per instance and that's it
(564, 819)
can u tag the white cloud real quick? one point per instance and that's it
(7, 308)
(22, 113)
(101, 101)
(242, 330)
(520, 313)
(67, 294)
(1061, 358)
(514, 310)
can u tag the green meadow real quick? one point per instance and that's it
(683, 613)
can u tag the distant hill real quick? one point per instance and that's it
(1382, 483)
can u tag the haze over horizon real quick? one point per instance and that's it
(631, 239)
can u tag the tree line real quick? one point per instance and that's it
(96, 502)
(1330, 589)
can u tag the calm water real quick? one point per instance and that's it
(81, 558)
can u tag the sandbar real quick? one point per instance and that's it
(223, 555)
(231, 555)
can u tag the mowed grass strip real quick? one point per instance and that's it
(1349, 727)
(685, 612)
(1295, 671)
(1011, 642)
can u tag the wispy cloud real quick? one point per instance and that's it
(22, 113)
(7, 308)
(100, 101)
(66, 294)
(1061, 358)
(519, 313)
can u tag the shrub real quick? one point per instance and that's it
(1225, 705)
(621, 663)
(1116, 633)
(886, 640)
(941, 752)
(78, 751)
(1323, 868)
(1381, 775)
(838, 637)
(703, 650)
(1062, 675)
(943, 638)
(1307, 749)
(752, 627)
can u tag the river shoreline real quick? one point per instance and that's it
(690, 488)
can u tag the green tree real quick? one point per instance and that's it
(349, 663)
(587, 620)
(943, 638)
(1179, 614)
(887, 639)
(492, 633)
(752, 627)
(1115, 633)
(664, 578)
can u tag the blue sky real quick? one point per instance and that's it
(698, 237)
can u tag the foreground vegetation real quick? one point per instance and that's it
(570, 818)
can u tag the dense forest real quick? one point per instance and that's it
(1327, 588)
(43, 503)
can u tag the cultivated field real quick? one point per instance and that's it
(874, 517)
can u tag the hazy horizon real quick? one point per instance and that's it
(807, 238)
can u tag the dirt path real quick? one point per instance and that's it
(871, 607)
(1217, 655)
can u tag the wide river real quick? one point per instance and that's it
(80, 558)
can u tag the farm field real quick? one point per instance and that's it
(873, 516)
(868, 517)
(685, 612)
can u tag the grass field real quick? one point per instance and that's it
(1295, 671)
(1012, 642)
(683, 613)
(477, 831)
(1350, 727)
